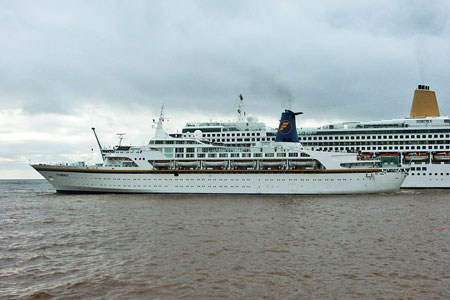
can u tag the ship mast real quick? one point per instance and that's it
(121, 137)
(160, 133)
(241, 110)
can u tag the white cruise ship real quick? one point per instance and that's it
(421, 141)
(190, 165)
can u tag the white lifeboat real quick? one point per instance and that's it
(243, 163)
(187, 164)
(302, 163)
(416, 156)
(272, 163)
(444, 156)
(162, 163)
(215, 163)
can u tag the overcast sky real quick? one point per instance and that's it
(67, 66)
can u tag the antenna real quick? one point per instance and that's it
(241, 110)
(99, 145)
(121, 137)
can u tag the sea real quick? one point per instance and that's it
(117, 246)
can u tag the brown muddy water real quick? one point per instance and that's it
(387, 246)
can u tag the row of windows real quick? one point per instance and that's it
(361, 132)
(384, 137)
(242, 140)
(411, 139)
(430, 174)
(359, 143)
(236, 155)
(375, 148)
(178, 142)
(220, 186)
(418, 168)
(231, 134)
(209, 179)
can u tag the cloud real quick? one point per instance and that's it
(352, 60)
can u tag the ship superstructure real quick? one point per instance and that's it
(245, 131)
(190, 165)
(421, 141)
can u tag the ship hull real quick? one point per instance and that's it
(428, 176)
(221, 182)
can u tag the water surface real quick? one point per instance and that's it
(387, 246)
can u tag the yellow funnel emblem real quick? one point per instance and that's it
(284, 125)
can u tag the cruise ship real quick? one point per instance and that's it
(421, 141)
(194, 165)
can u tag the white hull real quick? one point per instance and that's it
(428, 176)
(224, 182)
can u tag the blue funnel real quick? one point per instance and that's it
(287, 131)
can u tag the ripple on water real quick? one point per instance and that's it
(205, 247)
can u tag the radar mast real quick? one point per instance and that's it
(160, 133)
(121, 137)
(241, 110)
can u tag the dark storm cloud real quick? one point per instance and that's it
(324, 57)
(67, 66)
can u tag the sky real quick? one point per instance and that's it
(67, 66)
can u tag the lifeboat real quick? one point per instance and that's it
(187, 164)
(243, 163)
(442, 156)
(272, 163)
(215, 163)
(302, 163)
(162, 164)
(416, 156)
